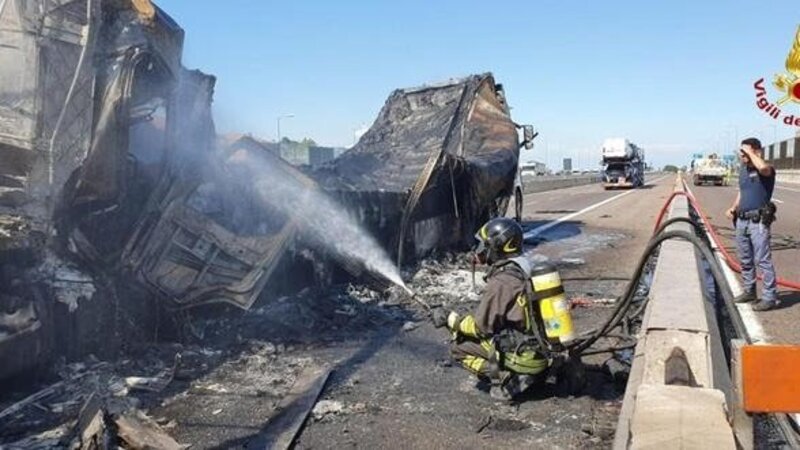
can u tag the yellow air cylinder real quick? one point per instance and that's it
(553, 303)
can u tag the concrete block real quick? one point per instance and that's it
(659, 345)
(680, 417)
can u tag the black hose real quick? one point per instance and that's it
(599, 351)
(673, 220)
(658, 231)
(598, 278)
(652, 246)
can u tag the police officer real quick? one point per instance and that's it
(488, 343)
(753, 213)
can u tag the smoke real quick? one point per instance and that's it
(322, 220)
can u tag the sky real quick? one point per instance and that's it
(674, 77)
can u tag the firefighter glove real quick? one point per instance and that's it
(453, 320)
(439, 318)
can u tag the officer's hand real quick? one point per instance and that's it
(439, 318)
(730, 213)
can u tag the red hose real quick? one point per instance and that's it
(729, 259)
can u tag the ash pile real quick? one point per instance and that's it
(260, 362)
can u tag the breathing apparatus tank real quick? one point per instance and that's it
(553, 304)
(548, 292)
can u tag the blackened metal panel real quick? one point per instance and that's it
(390, 156)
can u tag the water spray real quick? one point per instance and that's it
(413, 296)
(321, 219)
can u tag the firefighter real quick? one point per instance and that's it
(496, 342)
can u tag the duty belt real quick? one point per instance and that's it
(754, 215)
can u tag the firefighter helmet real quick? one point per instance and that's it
(498, 239)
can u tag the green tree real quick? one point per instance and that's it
(670, 168)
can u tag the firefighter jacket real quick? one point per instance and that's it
(504, 305)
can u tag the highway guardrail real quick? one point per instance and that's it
(679, 393)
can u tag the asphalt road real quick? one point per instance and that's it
(780, 325)
(608, 229)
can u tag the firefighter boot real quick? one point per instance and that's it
(510, 385)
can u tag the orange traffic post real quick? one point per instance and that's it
(771, 378)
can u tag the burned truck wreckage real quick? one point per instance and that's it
(438, 161)
(118, 203)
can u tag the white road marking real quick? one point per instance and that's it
(779, 201)
(542, 228)
(749, 317)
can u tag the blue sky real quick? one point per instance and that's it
(675, 77)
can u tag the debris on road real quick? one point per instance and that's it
(295, 408)
(31, 399)
(137, 431)
(156, 383)
(410, 326)
(586, 302)
(325, 407)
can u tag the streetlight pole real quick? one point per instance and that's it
(735, 137)
(280, 142)
(547, 166)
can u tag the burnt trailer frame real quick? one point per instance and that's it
(438, 161)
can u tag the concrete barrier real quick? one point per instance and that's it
(657, 413)
(533, 184)
(788, 176)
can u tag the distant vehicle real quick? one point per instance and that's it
(623, 164)
(709, 169)
(534, 168)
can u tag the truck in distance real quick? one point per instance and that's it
(709, 169)
(623, 164)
